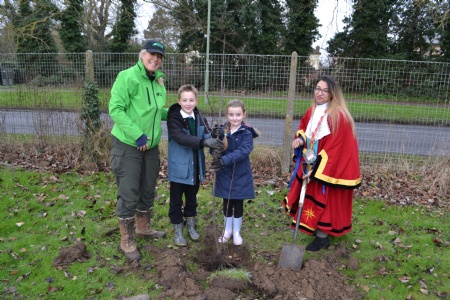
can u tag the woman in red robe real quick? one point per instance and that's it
(327, 157)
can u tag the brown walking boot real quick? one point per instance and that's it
(143, 229)
(127, 243)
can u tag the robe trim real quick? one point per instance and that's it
(322, 160)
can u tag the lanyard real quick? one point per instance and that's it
(313, 134)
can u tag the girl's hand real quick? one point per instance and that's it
(297, 143)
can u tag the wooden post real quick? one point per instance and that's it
(288, 135)
(89, 66)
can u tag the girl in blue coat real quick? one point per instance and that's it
(234, 179)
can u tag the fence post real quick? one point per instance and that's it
(89, 66)
(287, 141)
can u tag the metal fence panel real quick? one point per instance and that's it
(41, 95)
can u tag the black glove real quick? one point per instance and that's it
(216, 164)
(213, 143)
(217, 132)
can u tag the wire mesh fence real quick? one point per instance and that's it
(401, 108)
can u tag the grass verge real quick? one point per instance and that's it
(364, 108)
(401, 251)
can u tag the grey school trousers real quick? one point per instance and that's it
(136, 174)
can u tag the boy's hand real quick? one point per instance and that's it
(213, 143)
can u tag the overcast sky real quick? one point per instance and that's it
(329, 12)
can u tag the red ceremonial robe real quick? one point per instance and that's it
(329, 194)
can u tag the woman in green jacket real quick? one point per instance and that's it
(136, 107)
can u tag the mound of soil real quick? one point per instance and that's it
(318, 278)
(71, 254)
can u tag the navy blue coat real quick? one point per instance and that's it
(237, 172)
(186, 157)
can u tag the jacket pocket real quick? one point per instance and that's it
(178, 170)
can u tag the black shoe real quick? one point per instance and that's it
(318, 244)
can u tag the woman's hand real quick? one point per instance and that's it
(297, 143)
(306, 176)
(143, 148)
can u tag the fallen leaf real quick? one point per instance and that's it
(438, 242)
(81, 213)
(404, 279)
(382, 270)
(424, 291)
(54, 179)
(423, 284)
(63, 197)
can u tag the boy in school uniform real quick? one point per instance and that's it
(188, 134)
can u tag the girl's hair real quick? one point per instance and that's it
(233, 103)
(160, 80)
(187, 88)
(337, 105)
(236, 103)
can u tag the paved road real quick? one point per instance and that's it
(372, 137)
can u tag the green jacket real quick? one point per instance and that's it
(137, 106)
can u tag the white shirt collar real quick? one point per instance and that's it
(185, 115)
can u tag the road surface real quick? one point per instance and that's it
(372, 137)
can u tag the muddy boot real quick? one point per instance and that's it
(227, 231)
(127, 243)
(237, 223)
(178, 235)
(143, 229)
(190, 223)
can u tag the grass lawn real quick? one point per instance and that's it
(402, 251)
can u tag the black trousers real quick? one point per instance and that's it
(233, 208)
(176, 209)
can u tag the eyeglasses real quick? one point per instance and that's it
(323, 91)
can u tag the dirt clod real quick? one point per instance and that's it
(71, 254)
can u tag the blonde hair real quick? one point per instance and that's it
(187, 88)
(336, 106)
(233, 103)
(160, 80)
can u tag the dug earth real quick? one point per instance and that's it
(318, 278)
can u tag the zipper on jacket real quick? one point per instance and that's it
(156, 105)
